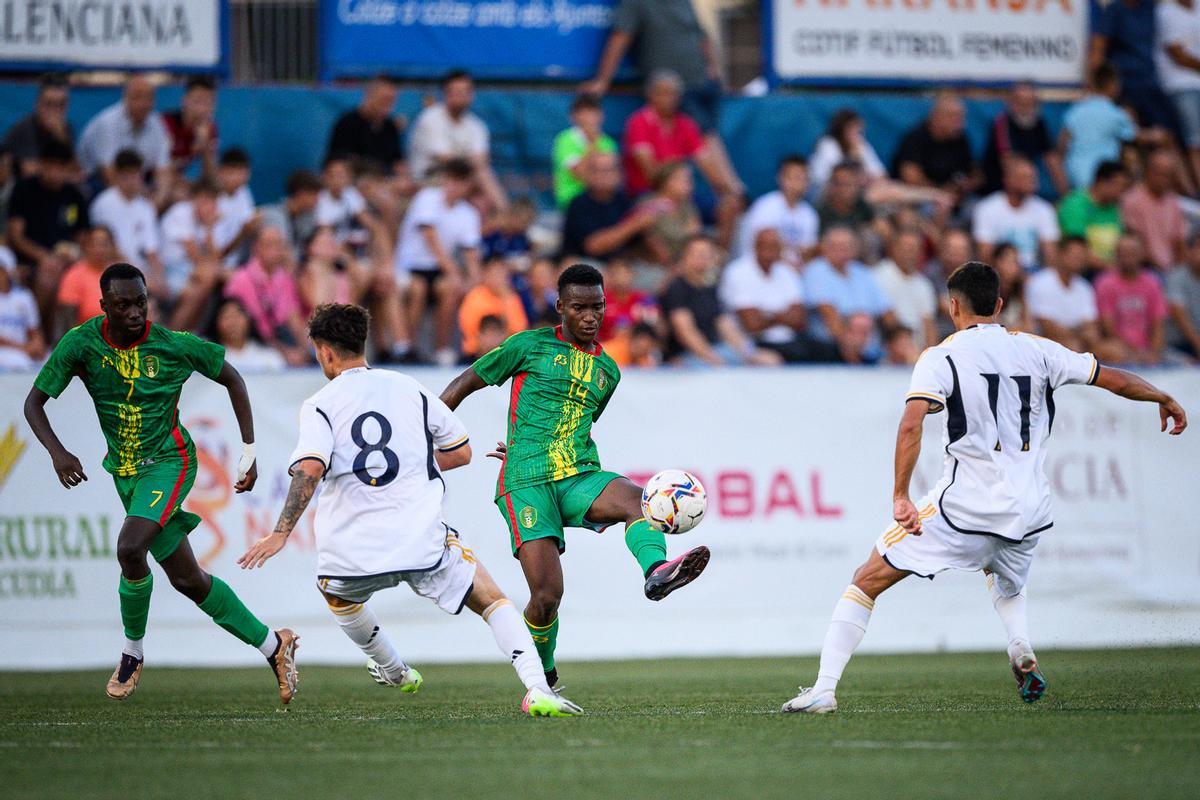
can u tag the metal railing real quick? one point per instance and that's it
(273, 41)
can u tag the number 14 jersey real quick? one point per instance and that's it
(997, 389)
(380, 506)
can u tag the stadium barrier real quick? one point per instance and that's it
(797, 465)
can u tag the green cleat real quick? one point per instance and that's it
(540, 703)
(410, 681)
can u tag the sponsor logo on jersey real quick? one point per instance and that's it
(11, 448)
(528, 517)
(560, 360)
(150, 366)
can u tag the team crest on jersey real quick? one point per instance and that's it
(601, 379)
(150, 366)
(528, 517)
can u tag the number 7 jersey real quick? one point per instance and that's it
(380, 506)
(997, 389)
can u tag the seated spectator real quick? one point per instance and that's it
(193, 128)
(639, 347)
(899, 347)
(848, 306)
(1152, 210)
(1007, 263)
(785, 211)
(1095, 128)
(267, 288)
(953, 248)
(193, 243)
(538, 290)
(21, 342)
(79, 291)
(1183, 303)
(1132, 305)
(1016, 215)
(1095, 213)
(910, 293)
(369, 132)
(330, 273)
(509, 238)
(598, 223)
(576, 148)
(699, 331)
(447, 131)
(493, 296)
(236, 202)
(492, 333)
(843, 204)
(131, 124)
(764, 292)
(48, 123)
(1020, 129)
(937, 152)
(234, 330)
(295, 216)
(340, 206)
(624, 305)
(131, 219)
(1061, 303)
(1177, 57)
(440, 230)
(675, 216)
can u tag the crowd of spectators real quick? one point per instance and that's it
(1092, 227)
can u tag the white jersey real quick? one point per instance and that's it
(997, 389)
(380, 507)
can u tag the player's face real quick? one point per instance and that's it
(582, 310)
(124, 305)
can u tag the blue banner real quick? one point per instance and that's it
(497, 39)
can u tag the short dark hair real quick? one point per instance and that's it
(342, 326)
(585, 100)
(580, 275)
(200, 82)
(52, 80)
(234, 157)
(978, 284)
(792, 159)
(1070, 240)
(57, 151)
(457, 168)
(455, 75)
(336, 156)
(302, 181)
(1108, 170)
(205, 187)
(128, 159)
(120, 272)
(1105, 75)
(643, 329)
(492, 321)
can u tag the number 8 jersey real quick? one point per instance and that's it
(997, 389)
(380, 507)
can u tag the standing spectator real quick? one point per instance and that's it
(48, 123)
(1152, 210)
(1020, 129)
(131, 219)
(1018, 216)
(675, 216)
(1177, 58)
(1132, 306)
(1124, 34)
(1183, 302)
(598, 223)
(576, 148)
(193, 244)
(624, 305)
(1095, 213)
(21, 340)
(764, 292)
(699, 331)
(787, 212)
(493, 296)
(1061, 303)
(369, 132)
(908, 290)
(266, 287)
(937, 152)
(441, 228)
(236, 202)
(448, 130)
(131, 124)
(234, 330)
(79, 291)
(1095, 128)
(295, 215)
(848, 306)
(843, 204)
(193, 128)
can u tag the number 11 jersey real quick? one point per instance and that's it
(997, 389)
(380, 506)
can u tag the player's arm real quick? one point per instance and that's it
(908, 449)
(453, 459)
(239, 398)
(1133, 387)
(306, 474)
(66, 465)
(462, 387)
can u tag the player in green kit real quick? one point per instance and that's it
(134, 371)
(550, 477)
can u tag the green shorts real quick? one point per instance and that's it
(156, 493)
(543, 510)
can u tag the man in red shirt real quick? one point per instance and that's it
(192, 127)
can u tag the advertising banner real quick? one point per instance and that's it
(798, 469)
(926, 41)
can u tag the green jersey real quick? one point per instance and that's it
(558, 391)
(135, 389)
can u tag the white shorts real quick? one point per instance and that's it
(448, 584)
(939, 547)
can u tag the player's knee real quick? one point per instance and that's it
(544, 602)
(130, 554)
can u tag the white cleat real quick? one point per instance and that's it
(410, 680)
(541, 703)
(809, 702)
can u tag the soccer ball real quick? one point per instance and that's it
(674, 501)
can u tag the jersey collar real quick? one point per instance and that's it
(104, 334)
(352, 370)
(559, 335)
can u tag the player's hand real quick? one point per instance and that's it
(500, 453)
(262, 550)
(1174, 412)
(246, 483)
(906, 515)
(68, 469)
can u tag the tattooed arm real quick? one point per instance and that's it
(306, 474)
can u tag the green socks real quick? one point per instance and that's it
(135, 605)
(228, 611)
(648, 545)
(545, 639)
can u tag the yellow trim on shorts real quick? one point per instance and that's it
(897, 532)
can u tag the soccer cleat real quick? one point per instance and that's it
(809, 702)
(283, 664)
(540, 703)
(410, 680)
(125, 677)
(670, 576)
(1031, 683)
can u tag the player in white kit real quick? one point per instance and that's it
(992, 504)
(380, 443)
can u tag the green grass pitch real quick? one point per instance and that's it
(1124, 723)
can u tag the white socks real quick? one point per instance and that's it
(514, 641)
(846, 629)
(133, 647)
(269, 645)
(361, 625)
(1016, 621)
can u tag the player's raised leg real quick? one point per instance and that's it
(1031, 683)
(541, 562)
(361, 626)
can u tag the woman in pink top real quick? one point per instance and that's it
(1132, 305)
(267, 288)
